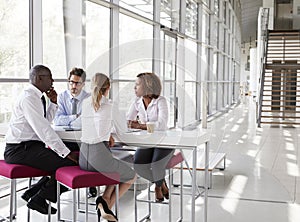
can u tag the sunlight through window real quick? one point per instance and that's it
(236, 188)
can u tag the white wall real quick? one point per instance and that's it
(245, 74)
(254, 75)
(296, 17)
(270, 4)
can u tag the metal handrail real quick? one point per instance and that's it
(265, 36)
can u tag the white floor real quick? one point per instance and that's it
(261, 181)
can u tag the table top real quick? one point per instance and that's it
(167, 138)
(174, 137)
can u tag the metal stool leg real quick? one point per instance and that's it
(74, 207)
(58, 202)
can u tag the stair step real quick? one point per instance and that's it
(278, 52)
(281, 90)
(280, 123)
(282, 81)
(282, 76)
(281, 117)
(286, 44)
(280, 86)
(283, 39)
(286, 106)
(287, 101)
(281, 111)
(292, 96)
(282, 66)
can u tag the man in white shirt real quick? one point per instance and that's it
(31, 140)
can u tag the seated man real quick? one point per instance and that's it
(70, 101)
(70, 105)
(31, 140)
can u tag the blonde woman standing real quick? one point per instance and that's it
(95, 155)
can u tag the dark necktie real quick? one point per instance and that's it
(44, 105)
(74, 106)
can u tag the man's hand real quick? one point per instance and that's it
(52, 95)
(73, 156)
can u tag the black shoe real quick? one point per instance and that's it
(39, 204)
(34, 189)
(92, 192)
(104, 211)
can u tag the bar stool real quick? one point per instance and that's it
(75, 178)
(18, 171)
(176, 159)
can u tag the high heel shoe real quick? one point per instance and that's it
(104, 211)
(158, 194)
(165, 190)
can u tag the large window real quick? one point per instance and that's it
(169, 13)
(14, 52)
(53, 38)
(81, 33)
(191, 18)
(14, 38)
(141, 7)
(97, 39)
(190, 74)
(135, 50)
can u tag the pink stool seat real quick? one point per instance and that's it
(15, 171)
(176, 159)
(74, 177)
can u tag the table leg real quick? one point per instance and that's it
(194, 183)
(206, 179)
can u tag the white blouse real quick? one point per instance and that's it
(157, 111)
(97, 126)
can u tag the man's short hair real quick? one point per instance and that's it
(78, 72)
(38, 70)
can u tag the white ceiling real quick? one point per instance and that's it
(249, 15)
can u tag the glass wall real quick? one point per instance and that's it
(135, 51)
(14, 52)
(97, 38)
(122, 41)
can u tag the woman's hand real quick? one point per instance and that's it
(136, 125)
(111, 141)
(73, 156)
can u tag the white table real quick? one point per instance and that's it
(174, 139)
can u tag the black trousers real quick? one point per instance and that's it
(34, 154)
(73, 146)
(151, 163)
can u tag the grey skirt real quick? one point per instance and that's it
(98, 157)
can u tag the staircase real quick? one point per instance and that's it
(280, 81)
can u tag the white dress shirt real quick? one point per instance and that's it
(64, 115)
(28, 122)
(157, 112)
(98, 126)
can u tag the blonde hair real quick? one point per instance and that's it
(100, 83)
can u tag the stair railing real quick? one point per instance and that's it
(264, 40)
